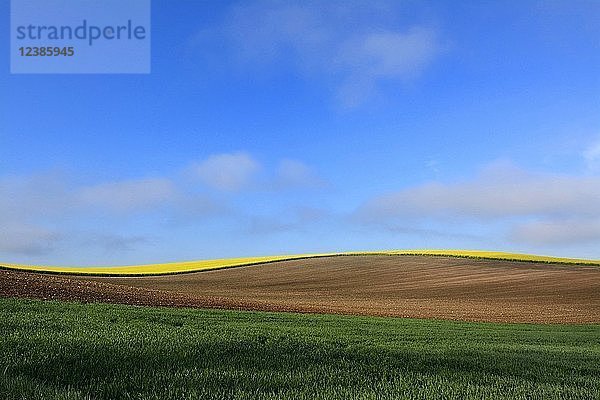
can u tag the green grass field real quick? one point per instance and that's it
(55, 350)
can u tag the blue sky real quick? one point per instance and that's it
(284, 127)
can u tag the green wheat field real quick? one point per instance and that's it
(60, 350)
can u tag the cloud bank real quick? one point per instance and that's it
(128, 196)
(39, 213)
(541, 208)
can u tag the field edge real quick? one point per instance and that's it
(217, 264)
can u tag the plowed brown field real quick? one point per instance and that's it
(406, 286)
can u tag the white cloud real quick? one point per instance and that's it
(498, 192)
(42, 213)
(356, 45)
(26, 239)
(23, 201)
(233, 172)
(557, 232)
(295, 174)
(227, 172)
(373, 57)
(265, 31)
(592, 157)
(37, 211)
(532, 208)
(392, 54)
(38, 194)
(126, 196)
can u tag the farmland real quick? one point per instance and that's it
(206, 265)
(62, 350)
(414, 286)
(321, 327)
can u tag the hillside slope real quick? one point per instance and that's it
(403, 286)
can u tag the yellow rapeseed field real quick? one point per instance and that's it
(203, 265)
(496, 255)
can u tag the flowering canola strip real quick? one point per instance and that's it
(205, 265)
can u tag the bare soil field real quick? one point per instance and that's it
(403, 286)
